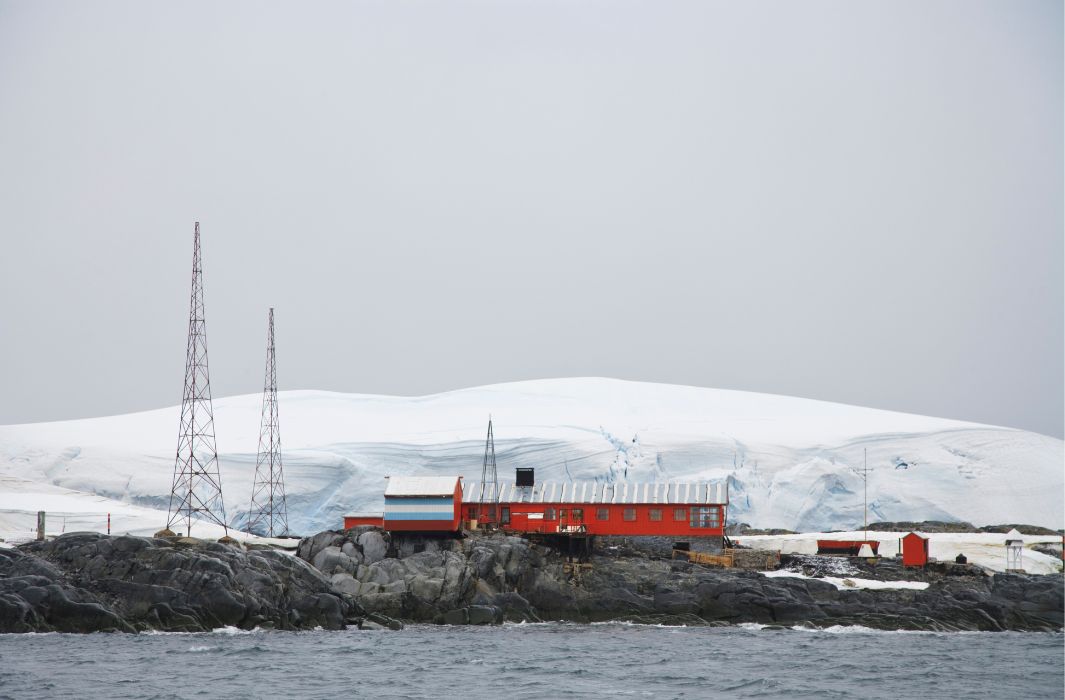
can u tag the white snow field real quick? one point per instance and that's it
(790, 462)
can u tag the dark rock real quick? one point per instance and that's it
(515, 608)
(385, 621)
(371, 625)
(485, 615)
(1021, 528)
(459, 616)
(923, 526)
(491, 577)
(86, 582)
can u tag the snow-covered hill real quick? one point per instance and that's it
(790, 461)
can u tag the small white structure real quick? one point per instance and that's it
(866, 551)
(1014, 551)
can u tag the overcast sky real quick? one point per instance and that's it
(857, 202)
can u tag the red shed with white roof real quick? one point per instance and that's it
(423, 503)
(356, 519)
(914, 549)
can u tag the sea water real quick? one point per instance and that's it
(553, 660)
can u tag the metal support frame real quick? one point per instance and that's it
(269, 511)
(489, 476)
(197, 488)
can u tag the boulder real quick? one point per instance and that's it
(371, 625)
(373, 546)
(345, 584)
(458, 616)
(484, 615)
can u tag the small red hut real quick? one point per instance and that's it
(355, 519)
(914, 549)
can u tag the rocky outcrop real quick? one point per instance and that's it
(489, 578)
(87, 582)
(426, 579)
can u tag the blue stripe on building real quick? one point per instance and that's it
(398, 501)
(400, 515)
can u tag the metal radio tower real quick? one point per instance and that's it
(197, 489)
(864, 473)
(488, 472)
(269, 511)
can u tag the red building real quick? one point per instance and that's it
(846, 548)
(669, 509)
(423, 503)
(355, 519)
(914, 549)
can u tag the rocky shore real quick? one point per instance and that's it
(490, 578)
(86, 582)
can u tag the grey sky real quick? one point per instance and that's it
(858, 202)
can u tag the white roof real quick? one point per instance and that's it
(364, 515)
(1014, 536)
(421, 486)
(700, 492)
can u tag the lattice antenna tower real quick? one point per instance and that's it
(488, 472)
(197, 489)
(864, 473)
(269, 511)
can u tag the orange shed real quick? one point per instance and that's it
(914, 549)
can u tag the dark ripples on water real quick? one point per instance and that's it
(535, 661)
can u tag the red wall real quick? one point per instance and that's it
(914, 550)
(614, 525)
(355, 522)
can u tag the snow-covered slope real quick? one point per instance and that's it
(790, 461)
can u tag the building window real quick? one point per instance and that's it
(504, 517)
(655, 514)
(706, 516)
(578, 515)
(549, 514)
(562, 514)
(473, 513)
(602, 514)
(630, 514)
(680, 514)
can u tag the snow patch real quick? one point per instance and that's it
(851, 583)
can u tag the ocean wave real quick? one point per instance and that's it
(229, 629)
(862, 629)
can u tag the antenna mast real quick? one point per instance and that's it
(197, 487)
(488, 472)
(269, 510)
(864, 472)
